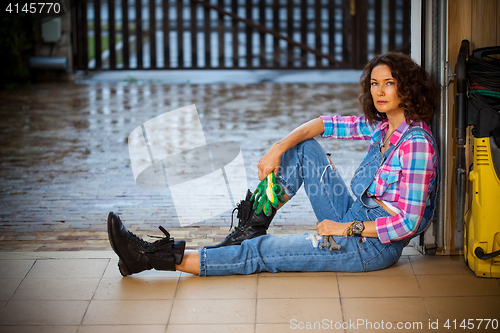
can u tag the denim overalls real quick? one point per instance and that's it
(307, 164)
(364, 175)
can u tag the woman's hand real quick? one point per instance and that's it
(270, 162)
(331, 228)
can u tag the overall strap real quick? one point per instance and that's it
(429, 210)
(416, 129)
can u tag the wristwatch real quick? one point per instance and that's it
(357, 227)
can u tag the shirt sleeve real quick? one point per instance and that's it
(418, 160)
(349, 128)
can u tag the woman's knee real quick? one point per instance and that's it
(311, 146)
(307, 159)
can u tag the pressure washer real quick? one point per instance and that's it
(477, 231)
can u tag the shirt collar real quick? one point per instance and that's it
(402, 128)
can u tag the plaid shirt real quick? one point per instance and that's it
(406, 178)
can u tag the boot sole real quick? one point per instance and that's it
(124, 270)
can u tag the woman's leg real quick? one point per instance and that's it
(266, 253)
(302, 253)
(297, 253)
(190, 263)
(307, 164)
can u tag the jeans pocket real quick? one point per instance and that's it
(374, 213)
(380, 258)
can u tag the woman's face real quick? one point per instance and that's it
(384, 90)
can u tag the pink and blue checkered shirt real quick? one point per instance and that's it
(405, 180)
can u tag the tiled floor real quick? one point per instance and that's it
(83, 292)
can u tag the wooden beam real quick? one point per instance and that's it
(221, 31)
(166, 34)
(112, 32)
(152, 33)
(248, 32)
(207, 31)
(138, 32)
(125, 35)
(194, 37)
(97, 34)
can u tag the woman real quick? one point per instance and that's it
(394, 190)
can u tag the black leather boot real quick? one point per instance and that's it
(137, 255)
(250, 225)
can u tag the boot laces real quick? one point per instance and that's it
(160, 243)
(239, 208)
(138, 239)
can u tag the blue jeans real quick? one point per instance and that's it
(307, 165)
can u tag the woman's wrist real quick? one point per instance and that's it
(280, 147)
(367, 230)
(348, 232)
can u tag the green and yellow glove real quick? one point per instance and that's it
(267, 195)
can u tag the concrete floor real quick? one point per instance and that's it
(65, 164)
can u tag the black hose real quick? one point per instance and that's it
(485, 73)
(479, 252)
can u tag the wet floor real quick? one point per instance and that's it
(65, 160)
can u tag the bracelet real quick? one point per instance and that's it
(348, 231)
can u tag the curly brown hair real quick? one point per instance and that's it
(418, 93)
